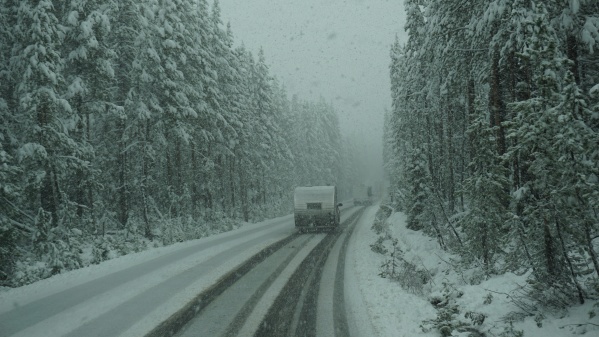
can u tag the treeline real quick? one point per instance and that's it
(132, 123)
(492, 144)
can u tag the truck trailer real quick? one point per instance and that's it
(316, 208)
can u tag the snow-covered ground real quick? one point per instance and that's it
(75, 302)
(378, 306)
(391, 311)
(394, 311)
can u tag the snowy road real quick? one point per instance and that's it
(314, 292)
(277, 296)
(132, 296)
(132, 299)
(138, 294)
(229, 312)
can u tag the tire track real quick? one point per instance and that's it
(294, 311)
(244, 313)
(339, 312)
(177, 321)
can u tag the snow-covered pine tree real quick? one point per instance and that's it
(211, 127)
(448, 46)
(230, 81)
(14, 222)
(8, 19)
(12, 225)
(397, 126)
(282, 196)
(548, 113)
(89, 75)
(536, 128)
(43, 134)
(265, 126)
(145, 116)
(244, 151)
(419, 194)
(173, 43)
(47, 152)
(406, 127)
(487, 192)
(116, 135)
(268, 135)
(226, 95)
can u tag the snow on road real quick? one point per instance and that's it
(50, 308)
(58, 283)
(375, 306)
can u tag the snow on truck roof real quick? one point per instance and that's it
(315, 192)
(315, 189)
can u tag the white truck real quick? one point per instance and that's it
(362, 195)
(316, 208)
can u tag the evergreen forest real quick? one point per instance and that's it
(492, 143)
(128, 124)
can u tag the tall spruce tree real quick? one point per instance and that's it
(524, 170)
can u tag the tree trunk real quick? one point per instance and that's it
(195, 193)
(429, 145)
(48, 197)
(177, 178)
(470, 92)
(90, 185)
(550, 263)
(79, 175)
(169, 170)
(178, 167)
(232, 184)
(570, 267)
(590, 247)
(145, 179)
(243, 194)
(223, 183)
(572, 52)
(450, 181)
(496, 104)
(123, 189)
(485, 248)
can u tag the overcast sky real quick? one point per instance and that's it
(335, 48)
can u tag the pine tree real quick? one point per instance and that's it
(419, 193)
(89, 75)
(487, 193)
(172, 89)
(537, 129)
(42, 112)
(14, 223)
(128, 28)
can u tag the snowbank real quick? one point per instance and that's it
(488, 307)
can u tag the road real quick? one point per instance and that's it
(235, 284)
(314, 292)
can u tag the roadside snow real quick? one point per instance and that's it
(79, 300)
(395, 311)
(11, 297)
(391, 310)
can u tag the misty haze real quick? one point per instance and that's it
(299, 168)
